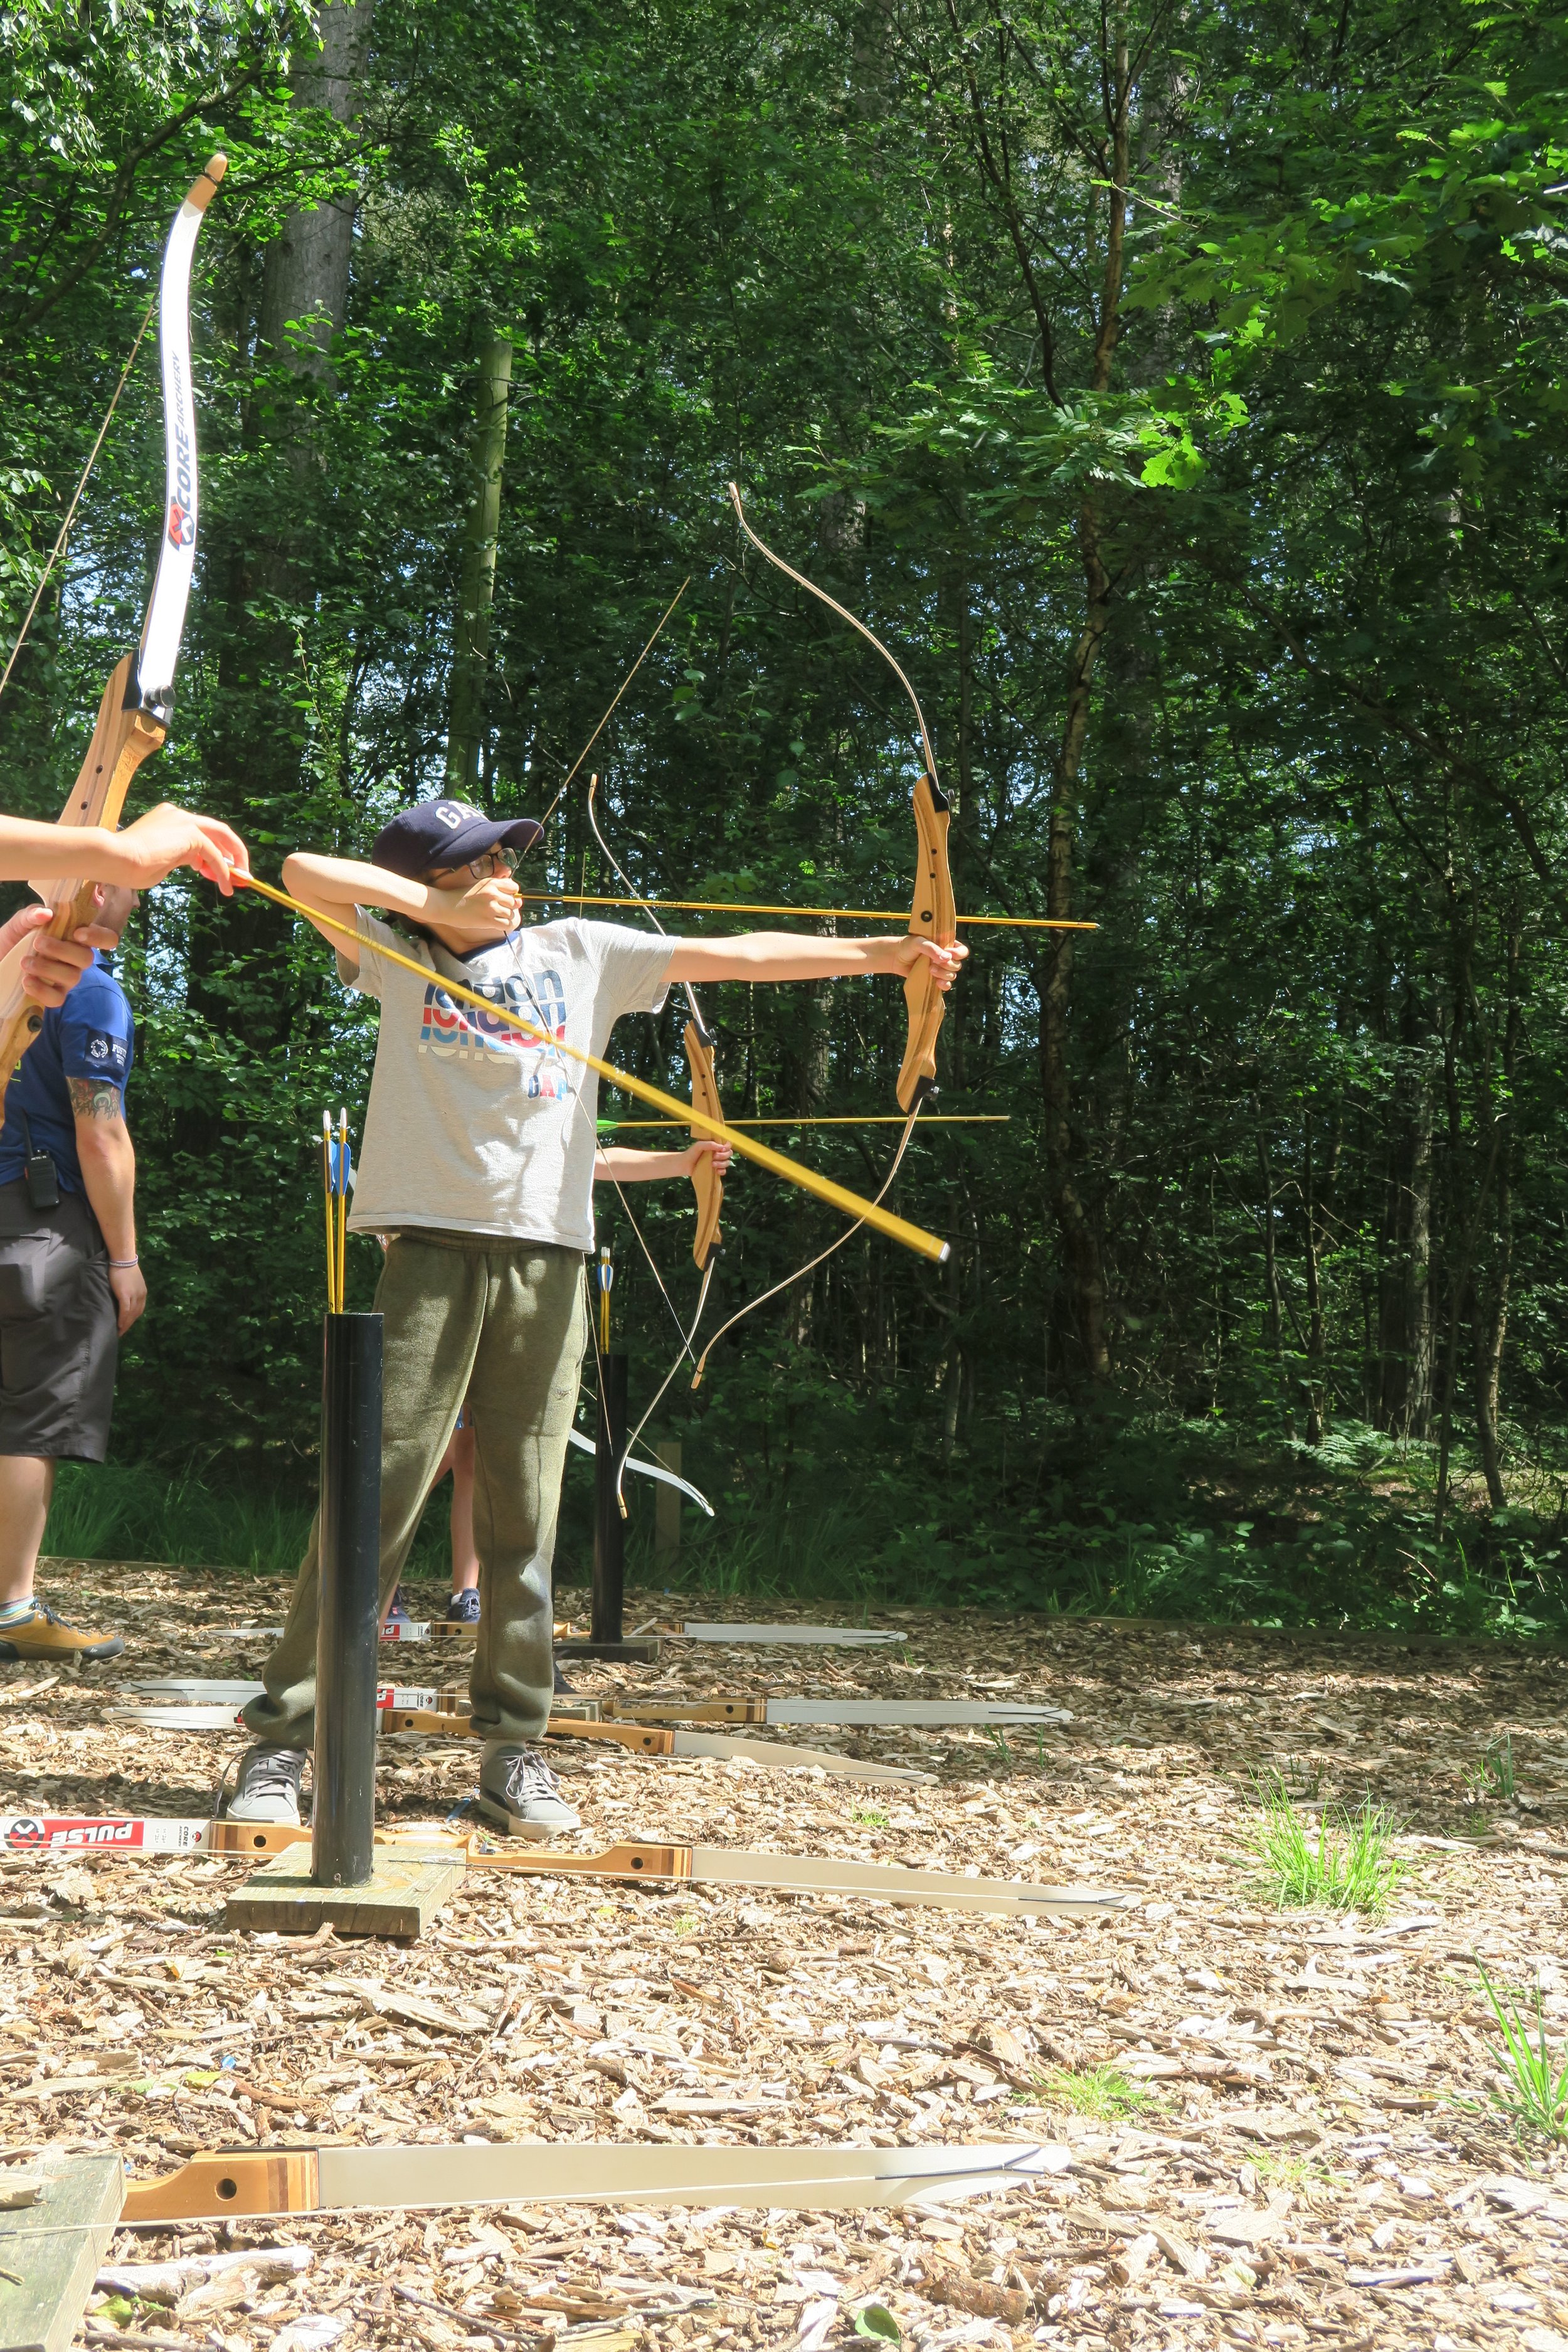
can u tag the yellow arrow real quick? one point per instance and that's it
(874, 1118)
(801, 914)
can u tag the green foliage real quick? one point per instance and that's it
(1536, 2098)
(1347, 1866)
(874, 2320)
(1495, 1775)
(1103, 2092)
(1307, 1147)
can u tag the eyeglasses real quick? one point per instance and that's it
(479, 869)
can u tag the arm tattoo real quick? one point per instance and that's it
(93, 1098)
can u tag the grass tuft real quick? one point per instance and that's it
(1345, 1865)
(1537, 2100)
(1102, 2091)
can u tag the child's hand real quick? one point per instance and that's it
(483, 909)
(721, 1154)
(944, 960)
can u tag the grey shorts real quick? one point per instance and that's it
(59, 1337)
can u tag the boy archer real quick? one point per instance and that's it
(478, 1161)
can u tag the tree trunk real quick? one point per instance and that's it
(1316, 1335)
(1274, 1316)
(1490, 1303)
(255, 753)
(1086, 1271)
(305, 281)
(1405, 1319)
(477, 587)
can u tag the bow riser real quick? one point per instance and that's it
(123, 737)
(933, 916)
(706, 1180)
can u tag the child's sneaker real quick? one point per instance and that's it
(518, 1791)
(399, 1613)
(463, 1608)
(267, 1787)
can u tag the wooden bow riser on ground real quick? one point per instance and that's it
(51, 1836)
(262, 2183)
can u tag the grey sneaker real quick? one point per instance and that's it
(267, 1787)
(518, 1788)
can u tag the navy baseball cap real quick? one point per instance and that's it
(447, 833)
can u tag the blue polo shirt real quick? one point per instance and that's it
(90, 1035)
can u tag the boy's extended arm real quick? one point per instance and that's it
(614, 1164)
(785, 955)
(337, 885)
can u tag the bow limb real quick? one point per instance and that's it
(134, 713)
(647, 1470)
(932, 915)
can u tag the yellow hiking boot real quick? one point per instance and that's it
(42, 1634)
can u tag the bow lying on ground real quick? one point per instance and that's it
(135, 712)
(434, 1716)
(701, 1865)
(848, 1203)
(883, 1714)
(266, 2181)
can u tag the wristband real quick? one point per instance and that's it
(118, 1265)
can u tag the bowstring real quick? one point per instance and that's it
(542, 822)
(571, 771)
(58, 547)
(688, 1336)
(811, 1263)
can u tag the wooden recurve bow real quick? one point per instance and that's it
(137, 703)
(933, 914)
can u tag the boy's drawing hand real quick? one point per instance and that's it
(484, 909)
(944, 960)
(721, 1154)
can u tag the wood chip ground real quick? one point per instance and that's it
(1314, 2159)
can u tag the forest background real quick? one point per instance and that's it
(1179, 394)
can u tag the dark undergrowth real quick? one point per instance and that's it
(1172, 1520)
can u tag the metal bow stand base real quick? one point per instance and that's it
(352, 1884)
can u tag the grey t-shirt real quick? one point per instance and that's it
(472, 1126)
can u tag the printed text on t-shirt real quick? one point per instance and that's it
(450, 1029)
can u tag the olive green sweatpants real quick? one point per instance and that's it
(503, 1324)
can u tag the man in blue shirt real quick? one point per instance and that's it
(69, 1280)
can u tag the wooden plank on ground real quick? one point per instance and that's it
(51, 2246)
